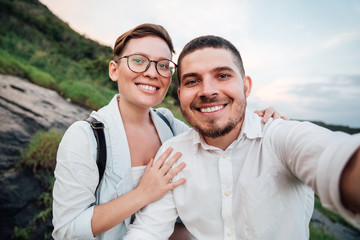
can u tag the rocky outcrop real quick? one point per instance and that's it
(24, 109)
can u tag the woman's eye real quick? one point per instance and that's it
(137, 60)
(163, 66)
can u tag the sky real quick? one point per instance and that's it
(303, 56)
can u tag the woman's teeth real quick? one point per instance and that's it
(147, 87)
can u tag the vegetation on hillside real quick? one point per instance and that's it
(37, 45)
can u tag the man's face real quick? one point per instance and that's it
(212, 92)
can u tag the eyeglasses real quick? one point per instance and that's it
(139, 63)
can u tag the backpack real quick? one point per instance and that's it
(98, 129)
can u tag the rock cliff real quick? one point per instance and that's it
(24, 109)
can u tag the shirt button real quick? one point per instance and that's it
(229, 234)
(227, 193)
(224, 156)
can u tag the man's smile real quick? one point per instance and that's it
(211, 109)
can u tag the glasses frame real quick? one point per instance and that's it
(148, 66)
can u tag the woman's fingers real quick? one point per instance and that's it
(171, 174)
(268, 113)
(260, 113)
(160, 161)
(167, 166)
(177, 183)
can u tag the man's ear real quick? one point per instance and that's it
(113, 73)
(178, 93)
(247, 85)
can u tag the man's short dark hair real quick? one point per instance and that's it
(210, 41)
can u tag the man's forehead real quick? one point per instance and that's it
(208, 59)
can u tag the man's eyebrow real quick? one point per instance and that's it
(222, 68)
(186, 75)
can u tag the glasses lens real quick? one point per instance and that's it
(166, 68)
(138, 63)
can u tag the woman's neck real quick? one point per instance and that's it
(133, 114)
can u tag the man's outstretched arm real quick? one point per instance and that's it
(350, 183)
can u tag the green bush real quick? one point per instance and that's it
(41, 78)
(86, 93)
(11, 65)
(41, 151)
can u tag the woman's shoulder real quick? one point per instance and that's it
(177, 126)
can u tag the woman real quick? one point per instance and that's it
(133, 131)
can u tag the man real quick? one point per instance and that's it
(246, 179)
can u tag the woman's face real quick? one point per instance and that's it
(148, 88)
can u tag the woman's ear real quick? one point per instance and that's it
(247, 85)
(113, 73)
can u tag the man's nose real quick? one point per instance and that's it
(209, 87)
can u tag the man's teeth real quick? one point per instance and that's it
(211, 109)
(147, 87)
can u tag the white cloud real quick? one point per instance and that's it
(342, 38)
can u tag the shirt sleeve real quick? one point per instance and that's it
(76, 177)
(156, 220)
(317, 157)
(177, 125)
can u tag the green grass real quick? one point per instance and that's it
(41, 151)
(319, 234)
(333, 216)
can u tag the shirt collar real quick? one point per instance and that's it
(252, 126)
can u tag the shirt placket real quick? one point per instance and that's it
(226, 182)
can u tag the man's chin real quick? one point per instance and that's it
(214, 132)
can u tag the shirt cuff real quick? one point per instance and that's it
(82, 224)
(331, 165)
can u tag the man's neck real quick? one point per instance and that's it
(224, 142)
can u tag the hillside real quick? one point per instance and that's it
(37, 45)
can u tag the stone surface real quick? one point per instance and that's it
(26, 108)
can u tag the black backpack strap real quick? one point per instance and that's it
(98, 129)
(165, 120)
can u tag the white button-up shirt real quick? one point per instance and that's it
(260, 187)
(77, 174)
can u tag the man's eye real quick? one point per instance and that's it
(224, 75)
(190, 82)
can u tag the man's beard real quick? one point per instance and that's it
(215, 131)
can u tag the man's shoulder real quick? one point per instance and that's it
(183, 138)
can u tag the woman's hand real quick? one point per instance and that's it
(268, 113)
(156, 180)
